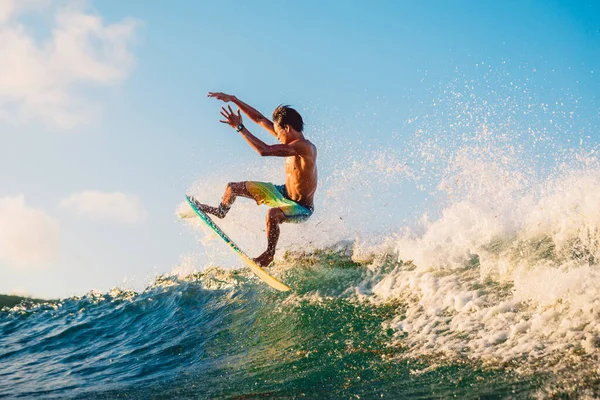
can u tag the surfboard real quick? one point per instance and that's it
(261, 273)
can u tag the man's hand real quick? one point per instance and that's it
(252, 113)
(231, 119)
(221, 96)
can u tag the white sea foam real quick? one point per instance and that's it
(503, 266)
(514, 280)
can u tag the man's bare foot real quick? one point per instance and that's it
(219, 212)
(264, 259)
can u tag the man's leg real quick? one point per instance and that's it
(274, 217)
(233, 190)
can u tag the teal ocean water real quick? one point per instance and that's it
(223, 334)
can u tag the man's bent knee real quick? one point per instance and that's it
(237, 187)
(275, 215)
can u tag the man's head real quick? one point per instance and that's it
(285, 118)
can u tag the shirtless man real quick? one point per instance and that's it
(292, 202)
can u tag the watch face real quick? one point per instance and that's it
(240, 127)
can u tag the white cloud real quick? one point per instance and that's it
(42, 77)
(97, 205)
(12, 8)
(28, 236)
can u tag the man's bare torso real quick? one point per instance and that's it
(301, 176)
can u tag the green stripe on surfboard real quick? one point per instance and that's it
(261, 273)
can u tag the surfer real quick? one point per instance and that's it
(291, 202)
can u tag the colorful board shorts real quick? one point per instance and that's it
(276, 196)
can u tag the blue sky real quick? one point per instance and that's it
(106, 124)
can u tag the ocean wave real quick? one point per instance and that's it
(350, 327)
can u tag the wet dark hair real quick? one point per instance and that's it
(286, 115)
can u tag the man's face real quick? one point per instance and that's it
(281, 133)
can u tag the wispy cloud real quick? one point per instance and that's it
(42, 77)
(97, 206)
(28, 236)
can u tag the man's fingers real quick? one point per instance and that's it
(225, 115)
(230, 110)
(225, 122)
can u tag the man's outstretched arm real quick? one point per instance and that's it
(250, 111)
(278, 150)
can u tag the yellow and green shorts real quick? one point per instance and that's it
(276, 196)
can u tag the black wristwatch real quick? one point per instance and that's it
(239, 127)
